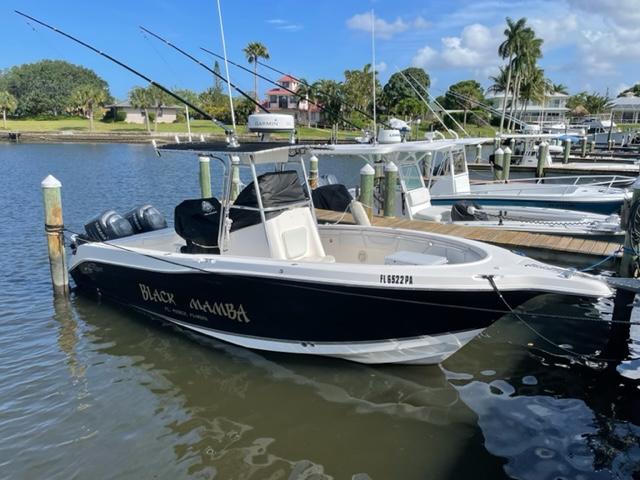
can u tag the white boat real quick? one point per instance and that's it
(259, 272)
(414, 198)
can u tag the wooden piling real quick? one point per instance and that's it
(478, 153)
(567, 151)
(496, 144)
(390, 181)
(583, 144)
(506, 164)
(54, 228)
(235, 177)
(543, 151)
(313, 172)
(610, 144)
(366, 189)
(498, 162)
(205, 177)
(592, 146)
(629, 258)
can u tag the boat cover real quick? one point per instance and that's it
(334, 197)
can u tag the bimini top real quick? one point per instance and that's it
(258, 152)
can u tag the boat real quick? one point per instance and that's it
(413, 197)
(259, 272)
(448, 182)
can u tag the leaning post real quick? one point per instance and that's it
(506, 164)
(543, 152)
(205, 177)
(366, 189)
(498, 162)
(235, 177)
(54, 228)
(583, 144)
(313, 172)
(567, 151)
(390, 180)
(629, 258)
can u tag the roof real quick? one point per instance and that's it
(287, 78)
(278, 91)
(127, 104)
(260, 152)
(551, 95)
(626, 103)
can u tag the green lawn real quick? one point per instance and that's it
(197, 126)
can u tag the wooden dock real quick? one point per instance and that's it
(565, 249)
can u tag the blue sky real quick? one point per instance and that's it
(589, 44)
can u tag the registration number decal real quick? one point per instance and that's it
(396, 279)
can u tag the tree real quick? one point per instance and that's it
(635, 91)
(158, 99)
(584, 103)
(358, 88)
(508, 49)
(467, 95)
(331, 96)
(559, 88)
(500, 82)
(254, 51)
(85, 99)
(8, 104)
(45, 87)
(139, 98)
(397, 88)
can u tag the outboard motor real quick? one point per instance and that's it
(108, 225)
(145, 218)
(465, 211)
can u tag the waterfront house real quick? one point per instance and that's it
(626, 109)
(552, 110)
(166, 113)
(280, 100)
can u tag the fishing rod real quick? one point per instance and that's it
(299, 80)
(460, 98)
(273, 82)
(216, 74)
(487, 107)
(429, 96)
(229, 132)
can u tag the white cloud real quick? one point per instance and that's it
(623, 13)
(424, 57)
(286, 25)
(381, 67)
(383, 28)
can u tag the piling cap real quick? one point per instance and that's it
(367, 170)
(499, 151)
(313, 158)
(507, 151)
(390, 167)
(235, 159)
(51, 182)
(204, 158)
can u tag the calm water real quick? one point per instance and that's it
(88, 390)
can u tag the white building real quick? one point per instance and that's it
(166, 113)
(552, 110)
(626, 109)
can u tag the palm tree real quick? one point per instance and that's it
(139, 98)
(8, 104)
(305, 90)
(255, 51)
(157, 98)
(499, 84)
(86, 98)
(509, 49)
(559, 88)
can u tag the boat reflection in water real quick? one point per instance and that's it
(231, 411)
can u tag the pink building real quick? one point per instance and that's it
(280, 100)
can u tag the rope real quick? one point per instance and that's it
(604, 260)
(580, 356)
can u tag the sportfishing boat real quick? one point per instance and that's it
(414, 197)
(448, 182)
(258, 271)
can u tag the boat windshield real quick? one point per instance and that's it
(411, 176)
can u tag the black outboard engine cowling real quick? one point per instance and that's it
(145, 218)
(460, 212)
(109, 225)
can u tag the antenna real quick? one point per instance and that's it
(373, 74)
(226, 67)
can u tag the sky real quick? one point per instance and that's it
(591, 45)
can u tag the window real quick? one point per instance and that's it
(459, 164)
(273, 98)
(411, 177)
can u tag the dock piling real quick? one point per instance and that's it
(390, 180)
(567, 151)
(592, 146)
(610, 144)
(543, 152)
(54, 228)
(629, 258)
(478, 153)
(583, 144)
(366, 189)
(498, 162)
(205, 177)
(313, 172)
(506, 164)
